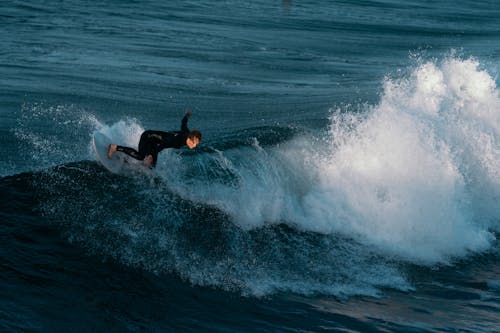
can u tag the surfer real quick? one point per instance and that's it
(152, 142)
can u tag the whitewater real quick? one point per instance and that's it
(416, 175)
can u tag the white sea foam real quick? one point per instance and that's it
(419, 175)
(416, 175)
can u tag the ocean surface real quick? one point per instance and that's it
(348, 179)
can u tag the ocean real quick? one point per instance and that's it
(348, 179)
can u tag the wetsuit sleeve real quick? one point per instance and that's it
(184, 123)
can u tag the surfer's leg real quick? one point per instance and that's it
(149, 161)
(148, 147)
(152, 159)
(130, 152)
(111, 150)
(145, 144)
(138, 155)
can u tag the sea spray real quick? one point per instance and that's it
(415, 175)
(65, 140)
(124, 132)
(418, 175)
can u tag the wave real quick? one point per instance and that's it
(412, 179)
(415, 175)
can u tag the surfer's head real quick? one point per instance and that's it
(193, 139)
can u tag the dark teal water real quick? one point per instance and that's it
(348, 179)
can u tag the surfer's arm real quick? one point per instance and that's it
(184, 121)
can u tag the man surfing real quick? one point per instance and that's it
(152, 142)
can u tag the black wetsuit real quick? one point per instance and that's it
(152, 142)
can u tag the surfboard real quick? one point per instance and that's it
(101, 144)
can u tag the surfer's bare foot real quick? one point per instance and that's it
(149, 161)
(111, 150)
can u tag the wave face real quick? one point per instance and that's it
(413, 179)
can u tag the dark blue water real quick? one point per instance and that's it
(348, 179)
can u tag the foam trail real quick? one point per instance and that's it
(253, 185)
